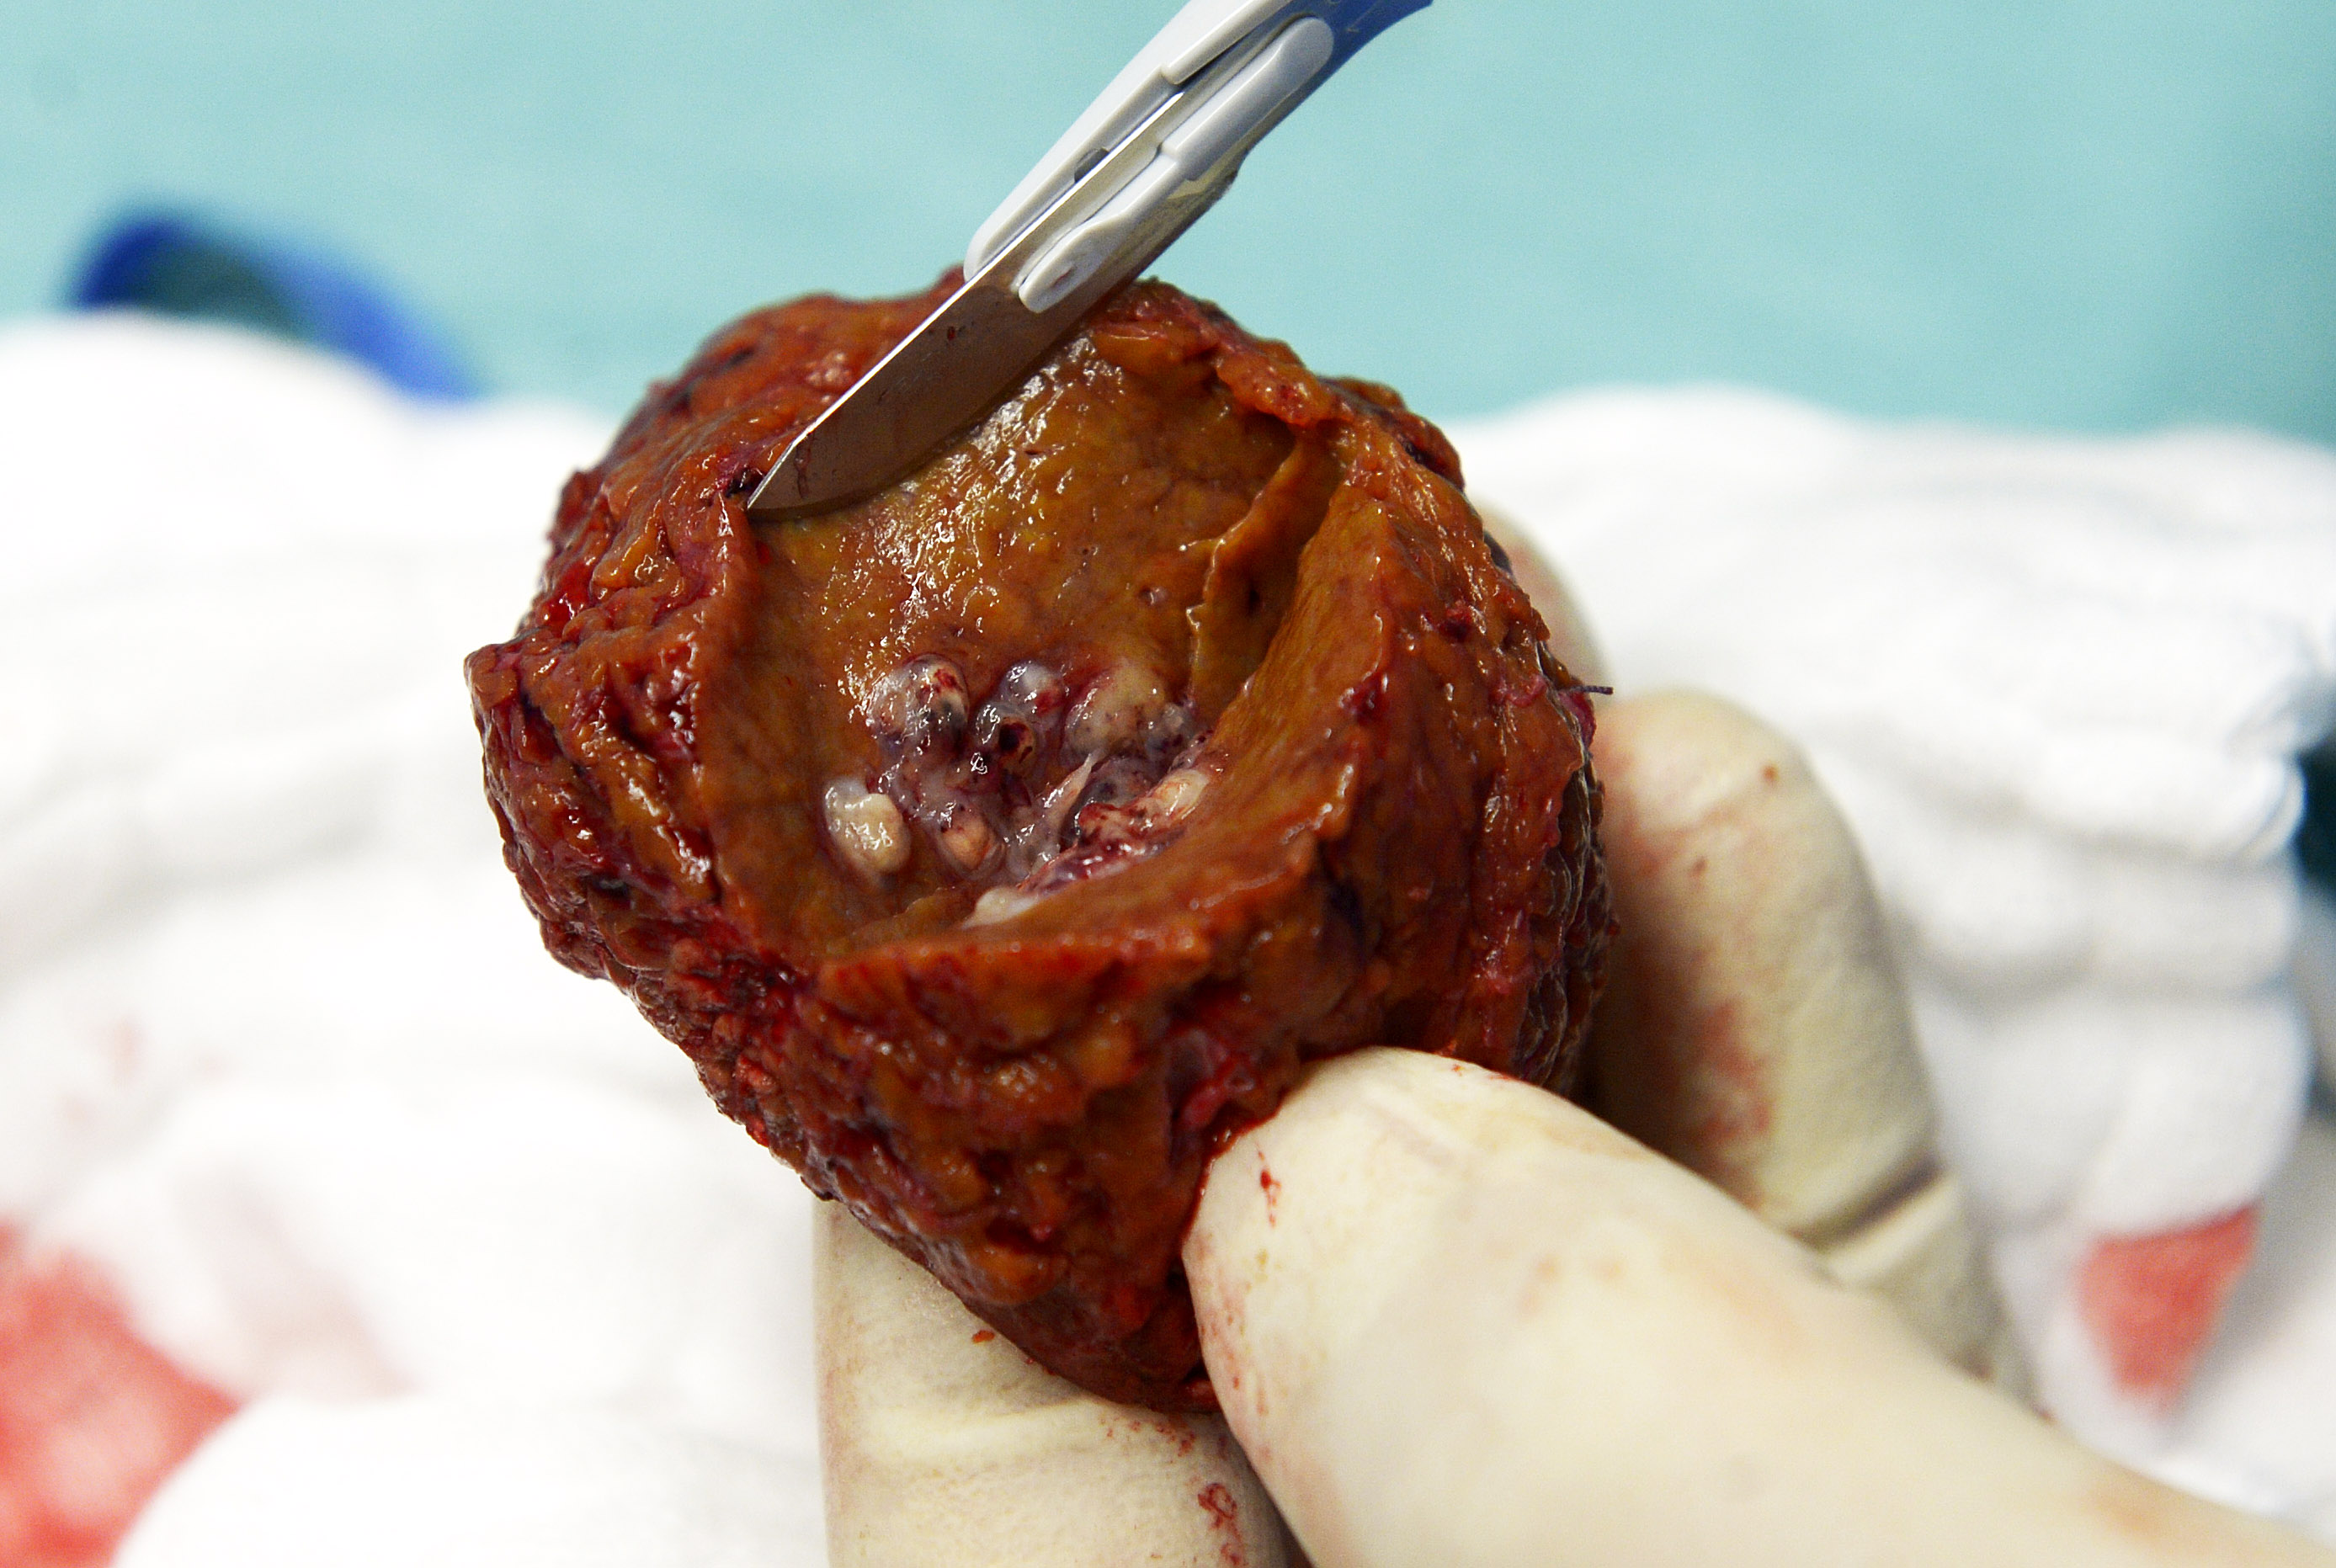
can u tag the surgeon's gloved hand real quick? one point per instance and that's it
(1454, 1320)
(1524, 1339)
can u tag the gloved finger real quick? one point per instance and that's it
(944, 1446)
(1455, 1320)
(1753, 1026)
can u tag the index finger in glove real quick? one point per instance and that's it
(1754, 1028)
(1456, 1321)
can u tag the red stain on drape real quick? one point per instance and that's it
(91, 1417)
(2151, 1301)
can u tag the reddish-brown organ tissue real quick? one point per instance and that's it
(997, 845)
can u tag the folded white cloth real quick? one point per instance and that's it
(281, 1052)
(2058, 686)
(462, 1482)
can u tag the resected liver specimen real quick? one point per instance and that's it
(997, 845)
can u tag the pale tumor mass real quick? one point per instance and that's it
(1043, 784)
(866, 828)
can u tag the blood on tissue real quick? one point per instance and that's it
(2151, 1301)
(1271, 1186)
(1179, 1433)
(1225, 1514)
(92, 1419)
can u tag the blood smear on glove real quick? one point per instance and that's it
(91, 1417)
(2151, 1301)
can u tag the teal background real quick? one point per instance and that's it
(2097, 214)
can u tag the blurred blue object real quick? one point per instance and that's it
(2315, 840)
(175, 266)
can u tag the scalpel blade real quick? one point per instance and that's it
(933, 384)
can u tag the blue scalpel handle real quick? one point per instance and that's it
(1187, 68)
(1355, 22)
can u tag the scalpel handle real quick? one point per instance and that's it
(1355, 23)
(1148, 157)
(1193, 164)
(1187, 60)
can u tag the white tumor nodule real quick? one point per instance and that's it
(967, 839)
(999, 904)
(1114, 709)
(1174, 798)
(867, 829)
